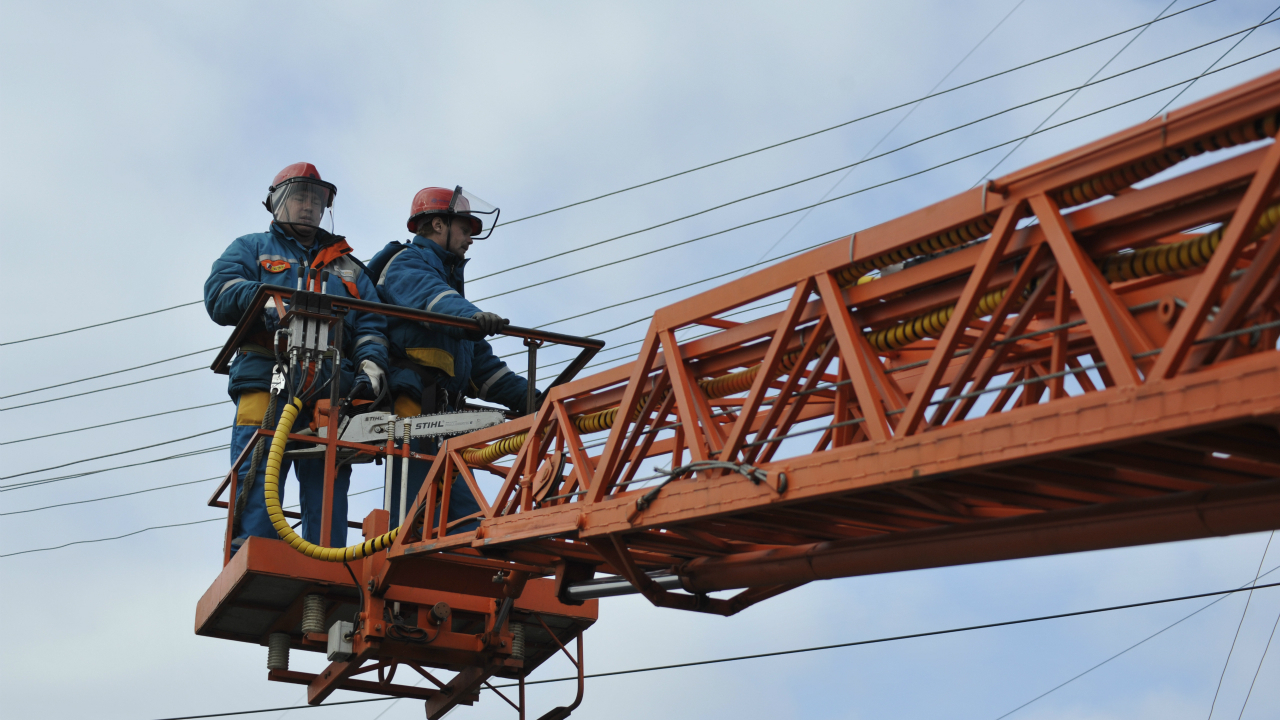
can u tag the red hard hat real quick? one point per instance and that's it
(298, 172)
(436, 201)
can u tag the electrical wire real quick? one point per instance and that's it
(846, 123)
(1261, 660)
(1059, 686)
(114, 454)
(870, 158)
(113, 372)
(1215, 62)
(46, 481)
(115, 422)
(108, 322)
(779, 653)
(112, 497)
(113, 387)
(804, 249)
(896, 125)
(1245, 612)
(1070, 97)
(678, 287)
(117, 537)
(869, 187)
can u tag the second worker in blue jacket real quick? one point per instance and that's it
(434, 367)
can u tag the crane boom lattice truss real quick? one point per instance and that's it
(1062, 363)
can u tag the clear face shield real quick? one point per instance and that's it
(483, 216)
(301, 203)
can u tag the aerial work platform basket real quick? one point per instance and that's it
(1076, 356)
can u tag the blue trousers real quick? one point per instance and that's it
(310, 475)
(461, 502)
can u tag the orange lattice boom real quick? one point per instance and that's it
(1055, 362)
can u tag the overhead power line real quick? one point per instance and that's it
(112, 387)
(846, 123)
(868, 187)
(1248, 599)
(897, 125)
(136, 532)
(148, 490)
(780, 653)
(108, 322)
(110, 497)
(1215, 62)
(114, 454)
(1261, 660)
(1152, 636)
(1070, 97)
(60, 478)
(1072, 91)
(116, 537)
(725, 160)
(113, 372)
(60, 433)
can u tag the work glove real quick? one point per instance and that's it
(271, 315)
(377, 376)
(369, 381)
(490, 323)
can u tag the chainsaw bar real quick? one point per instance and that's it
(372, 427)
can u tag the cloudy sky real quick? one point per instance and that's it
(138, 140)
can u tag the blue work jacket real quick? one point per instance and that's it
(422, 275)
(275, 258)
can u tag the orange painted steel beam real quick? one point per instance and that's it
(880, 404)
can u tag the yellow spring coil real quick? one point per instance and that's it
(1158, 260)
(489, 453)
(272, 490)
(1179, 256)
(929, 324)
(1085, 191)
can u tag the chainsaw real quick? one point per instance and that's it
(373, 427)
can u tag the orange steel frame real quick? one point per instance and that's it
(1072, 413)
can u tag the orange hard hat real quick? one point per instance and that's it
(450, 203)
(303, 172)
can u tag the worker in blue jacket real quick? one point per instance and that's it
(434, 367)
(293, 247)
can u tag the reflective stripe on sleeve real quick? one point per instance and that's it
(370, 338)
(439, 297)
(382, 279)
(228, 284)
(484, 389)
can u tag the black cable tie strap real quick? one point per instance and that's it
(750, 472)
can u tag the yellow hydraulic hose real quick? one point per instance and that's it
(1179, 256)
(272, 489)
